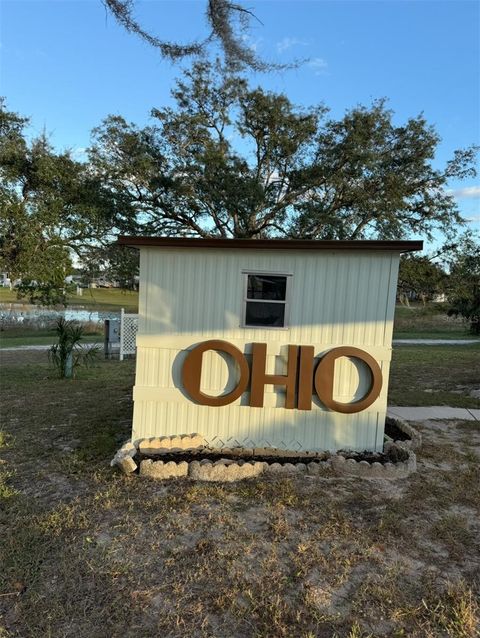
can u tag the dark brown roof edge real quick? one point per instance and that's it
(270, 244)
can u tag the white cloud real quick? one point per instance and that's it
(318, 65)
(287, 43)
(475, 218)
(468, 192)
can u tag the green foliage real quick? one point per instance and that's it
(49, 293)
(464, 282)
(115, 263)
(420, 276)
(231, 161)
(50, 205)
(68, 353)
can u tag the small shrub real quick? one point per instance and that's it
(68, 353)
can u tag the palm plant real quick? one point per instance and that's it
(68, 353)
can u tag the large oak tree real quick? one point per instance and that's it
(228, 160)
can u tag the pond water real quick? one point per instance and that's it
(14, 314)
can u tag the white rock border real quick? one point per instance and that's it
(124, 458)
(168, 444)
(161, 470)
(350, 467)
(229, 470)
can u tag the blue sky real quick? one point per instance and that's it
(66, 63)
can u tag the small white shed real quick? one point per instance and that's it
(265, 343)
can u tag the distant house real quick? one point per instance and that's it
(103, 282)
(5, 281)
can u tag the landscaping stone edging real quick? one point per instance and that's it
(162, 444)
(351, 467)
(228, 470)
(124, 458)
(415, 441)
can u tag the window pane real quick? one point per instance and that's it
(265, 314)
(266, 287)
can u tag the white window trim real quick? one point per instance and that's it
(286, 303)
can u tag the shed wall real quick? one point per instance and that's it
(188, 296)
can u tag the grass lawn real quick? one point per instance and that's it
(13, 337)
(430, 322)
(435, 375)
(89, 553)
(91, 299)
(106, 299)
(39, 338)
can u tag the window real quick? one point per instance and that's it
(266, 300)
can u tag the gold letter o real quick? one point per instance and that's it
(324, 380)
(192, 371)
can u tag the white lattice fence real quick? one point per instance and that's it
(128, 333)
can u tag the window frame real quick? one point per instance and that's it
(286, 302)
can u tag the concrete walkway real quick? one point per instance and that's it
(434, 342)
(19, 348)
(45, 347)
(436, 412)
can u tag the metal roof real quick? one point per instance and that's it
(270, 244)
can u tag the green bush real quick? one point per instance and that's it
(68, 353)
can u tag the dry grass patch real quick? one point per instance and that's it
(89, 553)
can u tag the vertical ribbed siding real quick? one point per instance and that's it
(338, 298)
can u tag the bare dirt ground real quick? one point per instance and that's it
(87, 552)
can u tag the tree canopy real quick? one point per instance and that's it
(464, 282)
(51, 207)
(226, 160)
(233, 161)
(420, 276)
(115, 263)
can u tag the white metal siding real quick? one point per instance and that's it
(188, 296)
